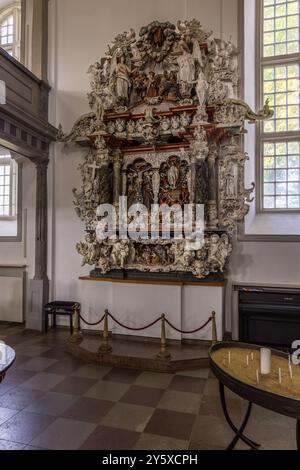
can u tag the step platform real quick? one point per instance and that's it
(141, 354)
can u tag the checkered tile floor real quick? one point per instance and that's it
(50, 400)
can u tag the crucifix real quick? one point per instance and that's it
(94, 167)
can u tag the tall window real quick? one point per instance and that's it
(280, 72)
(8, 186)
(10, 29)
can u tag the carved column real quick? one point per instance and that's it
(212, 187)
(192, 179)
(41, 221)
(39, 285)
(117, 181)
(124, 180)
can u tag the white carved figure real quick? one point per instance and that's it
(131, 127)
(88, 249)
(199, 147)
(231, 186)
(111, 127)
(197, 54)
(218, 252)
(108, 97)
(104, 258)
(120, 125)
(175, 122)
(231, 54)
(202, 88)
(173, 175)
(230, 90)
(224, 250)
(185, 119)
(156, 185)
(95, 71)
(183, 256)
(120, 253)
(186, 64)
(106, 67)
(123, 82)
(165, 123)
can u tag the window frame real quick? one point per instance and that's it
(14, 9)
(261, 136)
(19, 215)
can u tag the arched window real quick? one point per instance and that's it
(10, 29)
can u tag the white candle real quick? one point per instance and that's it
(252, 356)
(279, 375)
(265, 361)
(247, 360)
(291, 371)
(257, 376)
(229, 357)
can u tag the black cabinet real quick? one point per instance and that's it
(268, 316)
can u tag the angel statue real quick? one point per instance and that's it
(120, 253)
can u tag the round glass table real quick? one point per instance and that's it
(237, 365)
(7, 358)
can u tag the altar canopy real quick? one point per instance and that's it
(164, 129)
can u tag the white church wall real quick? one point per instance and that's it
(79, 33)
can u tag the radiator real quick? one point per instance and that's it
(12, 291)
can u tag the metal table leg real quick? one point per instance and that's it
(239, 432)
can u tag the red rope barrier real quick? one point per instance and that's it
(92, 324)
(134, 329)
(188, 332)
(147, 326)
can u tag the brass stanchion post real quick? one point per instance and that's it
(214, 335)
(105, 347)
(77, 335)
(163, 353)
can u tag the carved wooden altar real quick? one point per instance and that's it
(165, 127)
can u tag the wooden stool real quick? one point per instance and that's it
(60, 308)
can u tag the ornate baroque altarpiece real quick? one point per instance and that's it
(165, 127)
